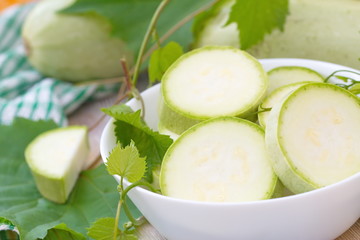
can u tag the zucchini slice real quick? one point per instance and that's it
(285, 75)
(210, 82)
(313, 137)
(219, 160)
(275, 97)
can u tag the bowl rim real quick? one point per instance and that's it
(296, 197)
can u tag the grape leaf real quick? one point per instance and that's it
(126, 162)
(161, 59)
(62, 231)
(95, 194)
(130, 18)
(256, 18)
(151, 144)
(103, 229)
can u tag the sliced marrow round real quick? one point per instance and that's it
(312, 137)
(211, 82)
(219, 160)
(285, 75)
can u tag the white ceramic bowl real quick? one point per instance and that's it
(323, 214)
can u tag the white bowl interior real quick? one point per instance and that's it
(320, 214)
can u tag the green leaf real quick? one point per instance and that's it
(130, 18)
(121, 108)
(61, 231)
(342, 78)
(355, 89)
(126, 162)
(95, 194)
(103, 229)
(161, 59)
(150, 144)
(126, 236)
(256, 18)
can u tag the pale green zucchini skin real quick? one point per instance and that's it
(173, 121)
(326, 30)
(72, 47)
(285, 160)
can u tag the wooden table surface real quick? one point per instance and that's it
(90, 113)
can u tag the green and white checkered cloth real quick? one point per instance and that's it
(24, 92)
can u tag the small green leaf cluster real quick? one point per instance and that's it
(138, 152)
(129, 126)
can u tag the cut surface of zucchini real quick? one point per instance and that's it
(312, 137)
(214, 81)
(285, 75)
(56, 158)
(219, 160)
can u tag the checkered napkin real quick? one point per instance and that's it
(24, 92)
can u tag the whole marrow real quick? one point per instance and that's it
(327, 30)
(72, 47)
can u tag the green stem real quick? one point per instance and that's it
(135, 92)
(146, 39)
(140, 183)
(135, 222)
(333, 74)
(128, 212)
(117, 218)
(123, 198)
(156, 38)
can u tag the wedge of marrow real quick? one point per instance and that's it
(219, 160)
(312, 137)
(56, 158)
